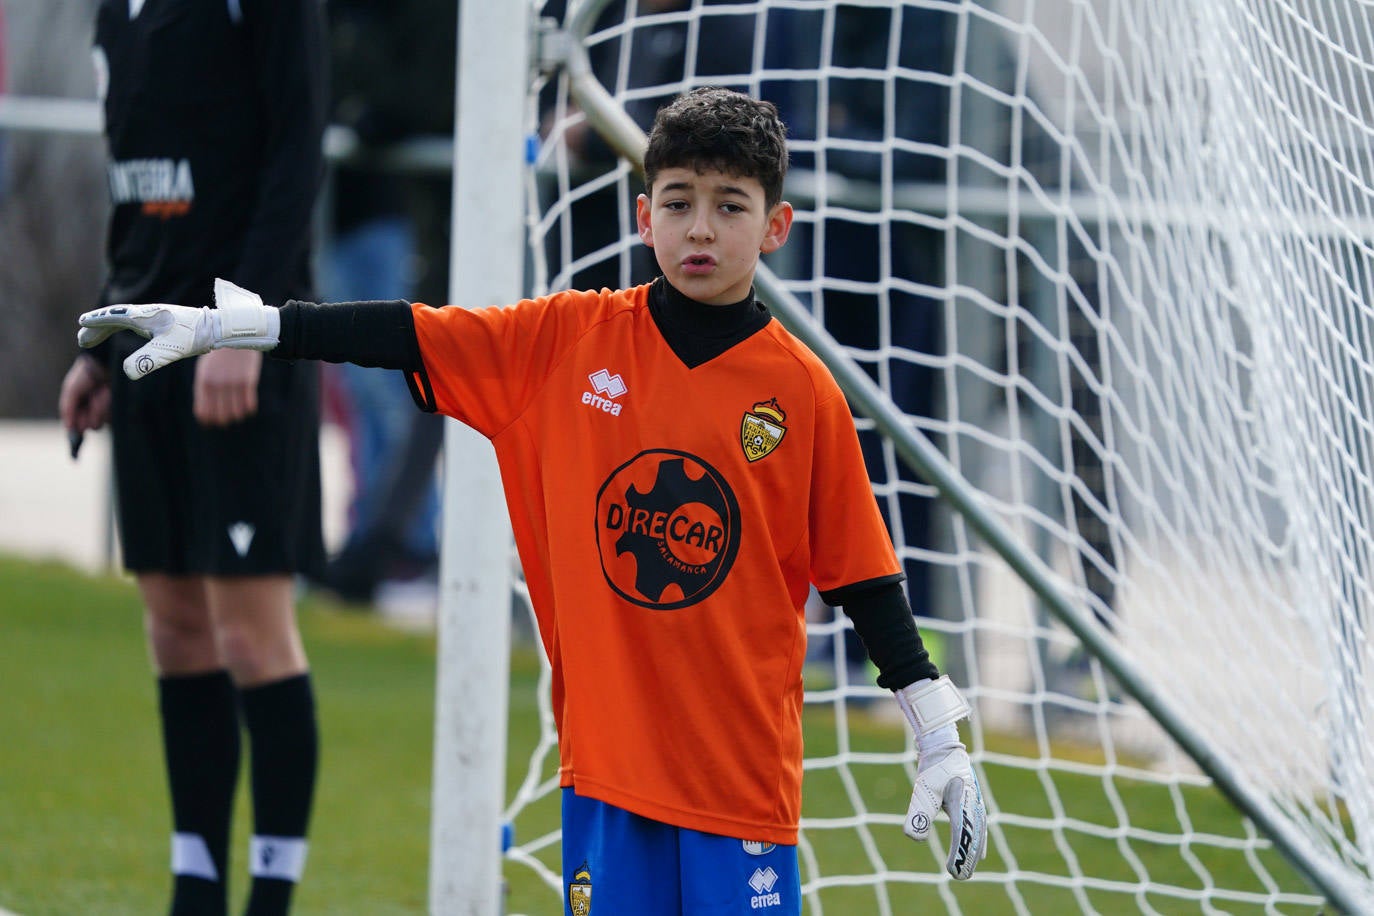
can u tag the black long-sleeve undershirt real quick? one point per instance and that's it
(377, 334)
(882, 619)
(382, 334)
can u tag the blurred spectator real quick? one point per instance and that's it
(656, 57)
(854, 142)
(392, 66)
(909, 77)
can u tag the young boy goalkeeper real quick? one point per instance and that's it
(679, 471)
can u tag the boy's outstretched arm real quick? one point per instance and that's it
(239, 321)
(378, 334)
(945, 779)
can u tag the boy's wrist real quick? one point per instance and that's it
(931, 704)
(241, 321)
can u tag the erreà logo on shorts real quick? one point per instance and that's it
(761, 883)
(605, 389)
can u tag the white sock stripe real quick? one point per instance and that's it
(277, 857)
(190, 856)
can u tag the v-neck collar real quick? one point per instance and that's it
(697, 333)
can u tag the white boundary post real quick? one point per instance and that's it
(486, 268)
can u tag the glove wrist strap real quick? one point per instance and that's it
(928, 704)
(242, 321)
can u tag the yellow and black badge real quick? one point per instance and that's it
(580, 891)
(762, 429)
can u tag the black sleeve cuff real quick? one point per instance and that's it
(837, 597)
(883, 621)
(374, 334)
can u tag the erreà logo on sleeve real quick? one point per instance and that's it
(163, 186)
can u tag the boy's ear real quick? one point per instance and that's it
(646, 229)
(779, 225)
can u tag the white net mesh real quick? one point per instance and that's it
(1114, 259)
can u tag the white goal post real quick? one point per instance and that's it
(1127, 263)
(486, 268)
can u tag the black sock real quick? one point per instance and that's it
(200, 743)
(280, 717)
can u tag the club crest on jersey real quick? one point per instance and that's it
(580, 891)
(761, 429)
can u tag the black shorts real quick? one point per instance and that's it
(238, 500)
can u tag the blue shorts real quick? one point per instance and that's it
(630, 864)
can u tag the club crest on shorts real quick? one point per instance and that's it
(580, 891)
(758, 847)
(761, 429)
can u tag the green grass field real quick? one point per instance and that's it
(84, 823)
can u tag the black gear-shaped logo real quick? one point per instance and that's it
(667, 529)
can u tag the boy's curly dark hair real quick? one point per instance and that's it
(721, 130)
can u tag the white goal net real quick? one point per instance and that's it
(1113, 260)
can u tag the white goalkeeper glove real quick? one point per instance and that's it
(239, 321)
(944, 775)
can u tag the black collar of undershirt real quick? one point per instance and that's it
(697, 333)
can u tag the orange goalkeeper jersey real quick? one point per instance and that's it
(670, 518)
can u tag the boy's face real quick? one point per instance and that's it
(708, 229)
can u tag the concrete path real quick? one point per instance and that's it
(52, 507)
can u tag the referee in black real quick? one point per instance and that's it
(214, 117)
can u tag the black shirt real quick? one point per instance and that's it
(215, 127)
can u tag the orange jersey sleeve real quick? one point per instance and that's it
(670, 519)
(849, 537)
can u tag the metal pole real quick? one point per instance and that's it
(486, 268)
